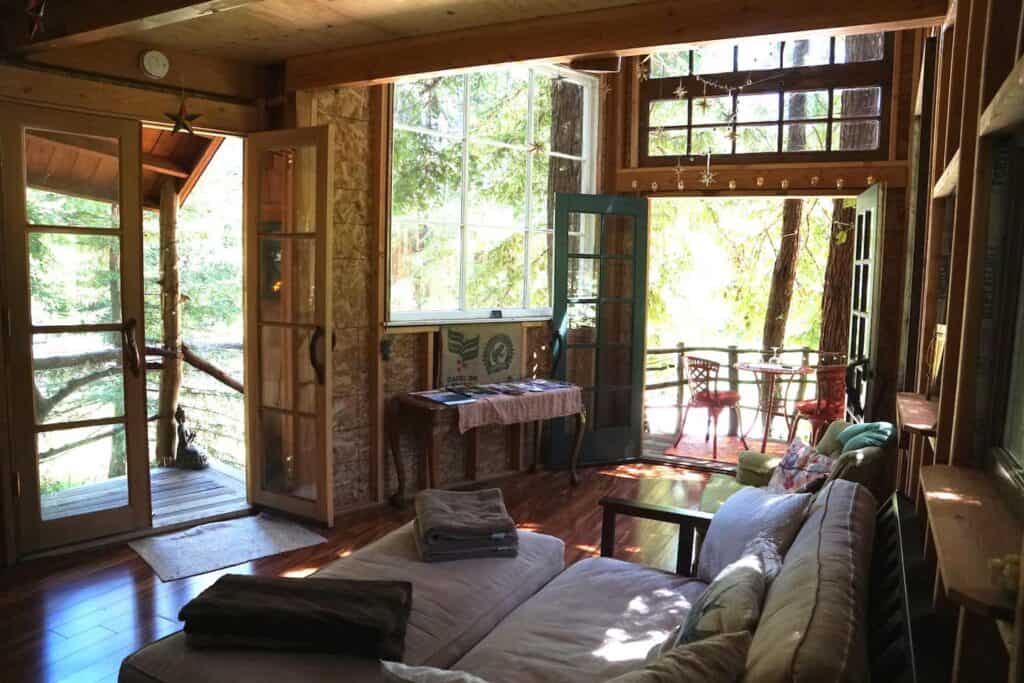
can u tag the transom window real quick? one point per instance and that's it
(476, 160)
(763, 100)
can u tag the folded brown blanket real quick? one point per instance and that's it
(463, 515)
(361, 618)
(466, 549)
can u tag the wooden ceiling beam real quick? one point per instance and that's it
(103, 148)
(623, 30)
(67, 24)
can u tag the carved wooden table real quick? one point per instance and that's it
(431, 422)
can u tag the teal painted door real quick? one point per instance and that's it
(599, 317)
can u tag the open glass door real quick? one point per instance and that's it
(863, 299)
(288, 320)
(599, 320)
(74, 282)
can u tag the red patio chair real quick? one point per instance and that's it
(702, 376)
(829, 405)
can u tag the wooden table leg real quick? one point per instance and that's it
(769, 408)
(433, 443)
(472, 454)
(581, 426)
(536, 446)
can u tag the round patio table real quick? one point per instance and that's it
(769, 374)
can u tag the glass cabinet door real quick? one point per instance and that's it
(288, 321)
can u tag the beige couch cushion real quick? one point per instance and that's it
(454, 605)
(812, 623)
(718, 659)
(597, 620)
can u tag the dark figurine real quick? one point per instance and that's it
(189, 456)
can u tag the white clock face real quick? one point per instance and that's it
(155, 64)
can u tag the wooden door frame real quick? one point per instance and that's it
(31, 532)
(874, 262)
(320, 137)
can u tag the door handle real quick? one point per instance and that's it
(318, 367)
(131, 346)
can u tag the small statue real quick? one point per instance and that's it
(189, 456)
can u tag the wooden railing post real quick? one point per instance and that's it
(805, 360)
(681, 376)
(734, 384)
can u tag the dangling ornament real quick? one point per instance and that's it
(732, 184)
(36, 10)
(704, 104)
(182, 119)
(680, 183)
(706, 176)
(680, 91)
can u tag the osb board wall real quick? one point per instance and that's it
(349, 111)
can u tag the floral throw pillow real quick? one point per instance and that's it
(800, 465)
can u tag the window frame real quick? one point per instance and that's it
(588, 179)
(781, 80)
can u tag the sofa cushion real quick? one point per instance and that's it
(718, 659)
(829, 443)
(454, 605)
(731, 603)
(748, 514)
(595, 621)
(813, 620)
(718, 490)
(866, 434)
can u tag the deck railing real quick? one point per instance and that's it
(665, 360)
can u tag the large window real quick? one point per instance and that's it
(765, 100)
(476, 160)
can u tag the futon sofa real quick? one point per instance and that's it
(530, 619)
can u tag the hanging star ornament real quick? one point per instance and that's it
(680, 183)
(680, 91)
(36, 10)
(182, 119)
(707, 177)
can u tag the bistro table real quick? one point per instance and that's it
(769, 376)
(431, 421)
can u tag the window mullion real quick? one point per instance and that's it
(531, 151)
(463, 222)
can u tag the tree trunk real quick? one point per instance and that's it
(783, 275)
(835, 296)
(170, 305)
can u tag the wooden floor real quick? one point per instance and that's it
(178, 496)
(74, 618)
(695, 452)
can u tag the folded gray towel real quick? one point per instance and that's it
(463, 515)
(446, 551)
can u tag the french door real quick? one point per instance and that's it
(599, 320)
(864, 298)
(288, 176)
(75, 368)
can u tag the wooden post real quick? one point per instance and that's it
(734, 384)
(170, 307)
(681, 376)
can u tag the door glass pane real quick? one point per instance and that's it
(289, 445)
(617, 234)
(616, 323)
(77, 376)
(75, 279)
(71, 179)
(582, 323)
(617, 279)
(580, 366)
(613, 408)
(289, 381)
(614, 367)
(81, 470)
(583, 278)
(287, 280)
(584, 233)
(287, 190)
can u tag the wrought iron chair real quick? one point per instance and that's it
(702, 378)
(829, 405)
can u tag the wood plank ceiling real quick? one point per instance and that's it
(272, 30)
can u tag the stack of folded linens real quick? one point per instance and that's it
(458, 525)
(361, 618)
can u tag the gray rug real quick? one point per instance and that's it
(217, 545)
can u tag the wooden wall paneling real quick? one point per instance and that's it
(380, 196)
(8, 551)
(30, 85)
(632, 114)
(954, 102)
(956, 401)
(896, 92)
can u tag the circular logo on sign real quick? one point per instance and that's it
(498, 353)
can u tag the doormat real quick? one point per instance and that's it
(217, 545)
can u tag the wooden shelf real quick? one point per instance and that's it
(1006, 110)
(970, 524)
(916, 413)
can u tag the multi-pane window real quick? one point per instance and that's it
(476, 160)
(814, 97)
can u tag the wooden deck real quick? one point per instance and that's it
(178, 496)
(696, 454)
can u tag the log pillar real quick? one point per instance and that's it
(170, 308)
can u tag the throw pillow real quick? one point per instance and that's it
(401, 673)
(865, 435)
(829, 443)
(800, 465)
(719, 659)
(731, 603)
(749, 514)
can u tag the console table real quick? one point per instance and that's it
(431, 421)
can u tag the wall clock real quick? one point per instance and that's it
(154, 64)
